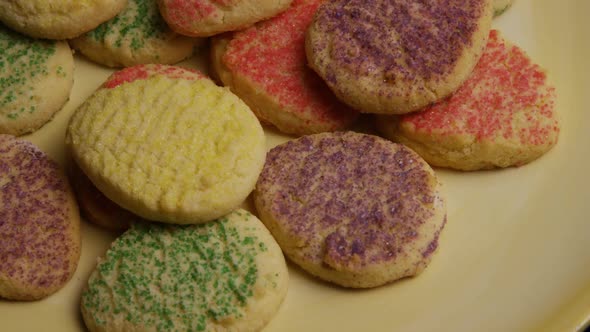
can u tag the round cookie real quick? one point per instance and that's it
(395, 57)
(350, 208)
(53, 19)
(273, 78)
(40, 226)
(168, 144)
(500, 6)
(96, 207)
(205, 18)
(504, 115)
(36, 79)
(226, 275)
(135, 36)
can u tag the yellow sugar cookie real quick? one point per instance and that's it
(168, 144)
(57, 19)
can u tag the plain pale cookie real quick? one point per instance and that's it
(273, 78)
(394, 57)
(226, 275)
(95, 207)
(135, 36)
(39, 226)
(504, 115)
(57, 19)
(36, 79)
(204, 18)
(351, 208)
(168, 144)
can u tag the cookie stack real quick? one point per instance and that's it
(441, 81)
(175, 156)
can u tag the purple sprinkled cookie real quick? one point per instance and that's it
(350, 208)
(396, 56)
(39, 223)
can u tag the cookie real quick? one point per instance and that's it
(40, 226)
(351, 208)
(226, 275)
(504, 115)
(205, 18)
(500, 6)
(168, 144)
(36, 79)
(395, 57)
(273, 78)
(137, 35)
(52, 19)
(96, 207)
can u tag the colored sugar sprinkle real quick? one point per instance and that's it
(175, 278)
(186, 12)
(138, 22)
(22, 61)
(504, 86)
(142, 72)
(280, 50)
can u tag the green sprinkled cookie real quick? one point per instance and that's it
(226, 275)
(36, 79)
(137, 35)
(500, 6)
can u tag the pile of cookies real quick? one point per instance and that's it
(168, 155)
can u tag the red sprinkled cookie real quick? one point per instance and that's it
(397, 56)
(204, 18)
(39, 223)
(142, 72)
(273, 77)
(504, 115)
(353, 209)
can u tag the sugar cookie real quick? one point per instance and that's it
(168, 144)
(394, 57)
(137, 35)
(96, 207)
(273, 78)
(226, 275)
(350, 208)
(57, 19)
(204, 18)
(504, 115)
(36, 79)
(40, 226)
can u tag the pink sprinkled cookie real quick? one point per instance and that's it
(273, 78)
(142, 72)
(504, 115)
(204, 18)
(395, 57)
(353, 209)
(39, 223)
